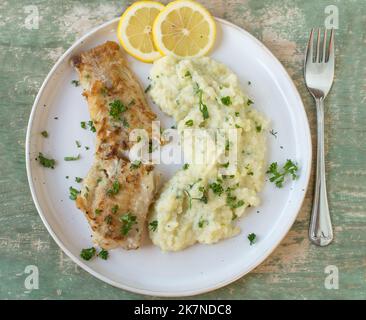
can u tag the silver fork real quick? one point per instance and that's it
(319, 74)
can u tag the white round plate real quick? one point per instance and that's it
(200, 268)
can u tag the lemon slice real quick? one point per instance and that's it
(184, 29)
(134, 30)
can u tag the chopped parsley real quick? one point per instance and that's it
(226, 101)
(249, 102)
(232, 187)
(104, 91)
(202, 223)
(125, 123)
(251, 238)
(148, 88)
(78, 144)
(76, 83)
(128, 220)
(249, 171)
(44, 134)
(237, 114)
(216, 188)
(202, 106)
(88, 253)
(98, 212)
(108, 219)
(278, 176)
(72, 158)
(86, 194)
(114, 190)
(153, 225)
(47, 163)
(227, 145)
(188, 74)
(225, 165)
(232, 176)
(185, 166)
(78, 180)
(258, 127)
(91, 126)
(189, 123)
(115, 209)
(83, 124)
(103, 254)
(116, 109)
(232, 203)
(136, 164)
(73, 193)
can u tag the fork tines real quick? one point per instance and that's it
(324, 48)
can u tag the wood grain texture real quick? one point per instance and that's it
(295, 270)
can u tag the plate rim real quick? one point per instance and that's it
(116, 284)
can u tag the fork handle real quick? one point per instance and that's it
(320, 231)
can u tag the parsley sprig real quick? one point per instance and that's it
(252, 237)
(128, 220)
(278, 176)
(116, 109)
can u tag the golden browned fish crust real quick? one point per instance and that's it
(106, 79)
(116, 194)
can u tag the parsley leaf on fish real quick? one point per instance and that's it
(128, 220)
(116, 109)
(114, 190)
(135, 165)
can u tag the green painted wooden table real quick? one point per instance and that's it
(296, 269)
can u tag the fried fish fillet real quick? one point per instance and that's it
(116, 194)
(117, 104)
(115, 198)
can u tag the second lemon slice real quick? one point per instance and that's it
(184, 29)
(135, 30)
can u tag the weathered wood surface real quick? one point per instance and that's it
(296, 268)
